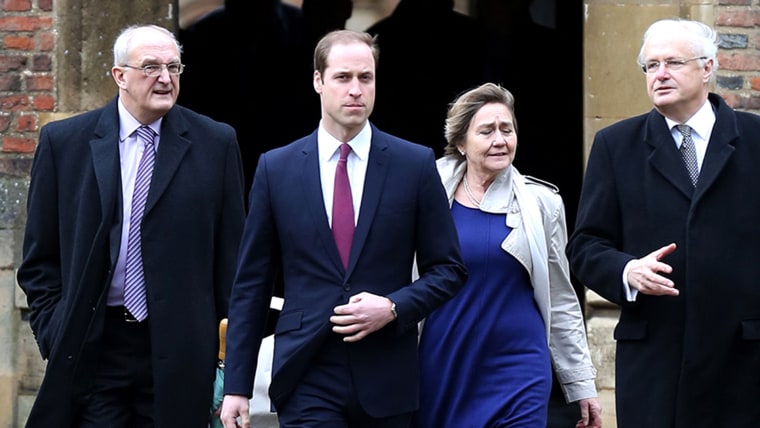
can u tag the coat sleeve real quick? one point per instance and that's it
(39, 274)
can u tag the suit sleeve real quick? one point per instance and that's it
(438, 258)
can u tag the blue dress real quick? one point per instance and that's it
(484, 359)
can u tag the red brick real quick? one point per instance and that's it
(18, 145)
(45, 4)
(14, 103)
(39, 83)
(18, 42)
(42, 63)
(43, 102)
(12, 63)
(5, 120)
(744, 18)
(739, 61)
(17, 5)
(25, 123)
(10, 82)
(25, 23)
(47, 41)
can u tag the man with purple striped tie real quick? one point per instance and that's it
(135, 213)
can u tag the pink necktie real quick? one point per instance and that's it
(343, 207)
(134, 286)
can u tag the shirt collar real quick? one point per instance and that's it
(128, 124)
(328, 145)
(700, 122)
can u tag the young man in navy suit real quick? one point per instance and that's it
(345, 352)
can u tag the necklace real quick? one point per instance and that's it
(471, 196)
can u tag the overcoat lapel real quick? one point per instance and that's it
(106, 164)
(719, 149)
(171, 150)
(665, 157)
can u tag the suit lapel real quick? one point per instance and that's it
(377, 172)
(312, 196)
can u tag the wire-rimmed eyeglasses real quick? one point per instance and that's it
(153, 70)
(670, 64)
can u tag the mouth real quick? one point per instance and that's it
(663, 88)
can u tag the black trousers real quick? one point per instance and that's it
(122, 389)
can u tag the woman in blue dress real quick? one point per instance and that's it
(486, 356)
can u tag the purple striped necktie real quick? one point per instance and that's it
(134, 286)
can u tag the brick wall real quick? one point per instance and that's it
(738, 55)
(26, 74)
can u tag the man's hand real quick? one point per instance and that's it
(591, 414)
(235, 406)
(363, 314)
(644, 274)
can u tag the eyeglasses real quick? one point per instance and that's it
(670, 64)
(153, 70)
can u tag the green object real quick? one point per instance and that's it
(214, 421)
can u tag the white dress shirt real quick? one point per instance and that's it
(356, 164)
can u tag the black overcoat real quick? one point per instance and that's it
(191, 231)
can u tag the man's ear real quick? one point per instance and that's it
(118, 76)
(317, 82)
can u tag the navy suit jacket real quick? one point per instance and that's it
(404, 213)
(692, 360)
(191, 231)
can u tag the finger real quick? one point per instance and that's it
(245, 420)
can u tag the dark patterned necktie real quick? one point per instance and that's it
(343, 207)
(689, 153)
(134, 286)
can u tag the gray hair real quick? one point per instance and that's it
(702, 39)
(122, 44)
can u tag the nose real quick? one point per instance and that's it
(356, 89)
(164, 74)
(499, 139)
(662, 70)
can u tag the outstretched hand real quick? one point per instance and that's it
(644, 273)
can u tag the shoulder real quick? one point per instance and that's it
(538, 185)
(201, 120)
(546, 193)
(397, 144)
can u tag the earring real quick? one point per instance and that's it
(461, 152)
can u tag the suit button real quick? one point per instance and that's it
(347, 287)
